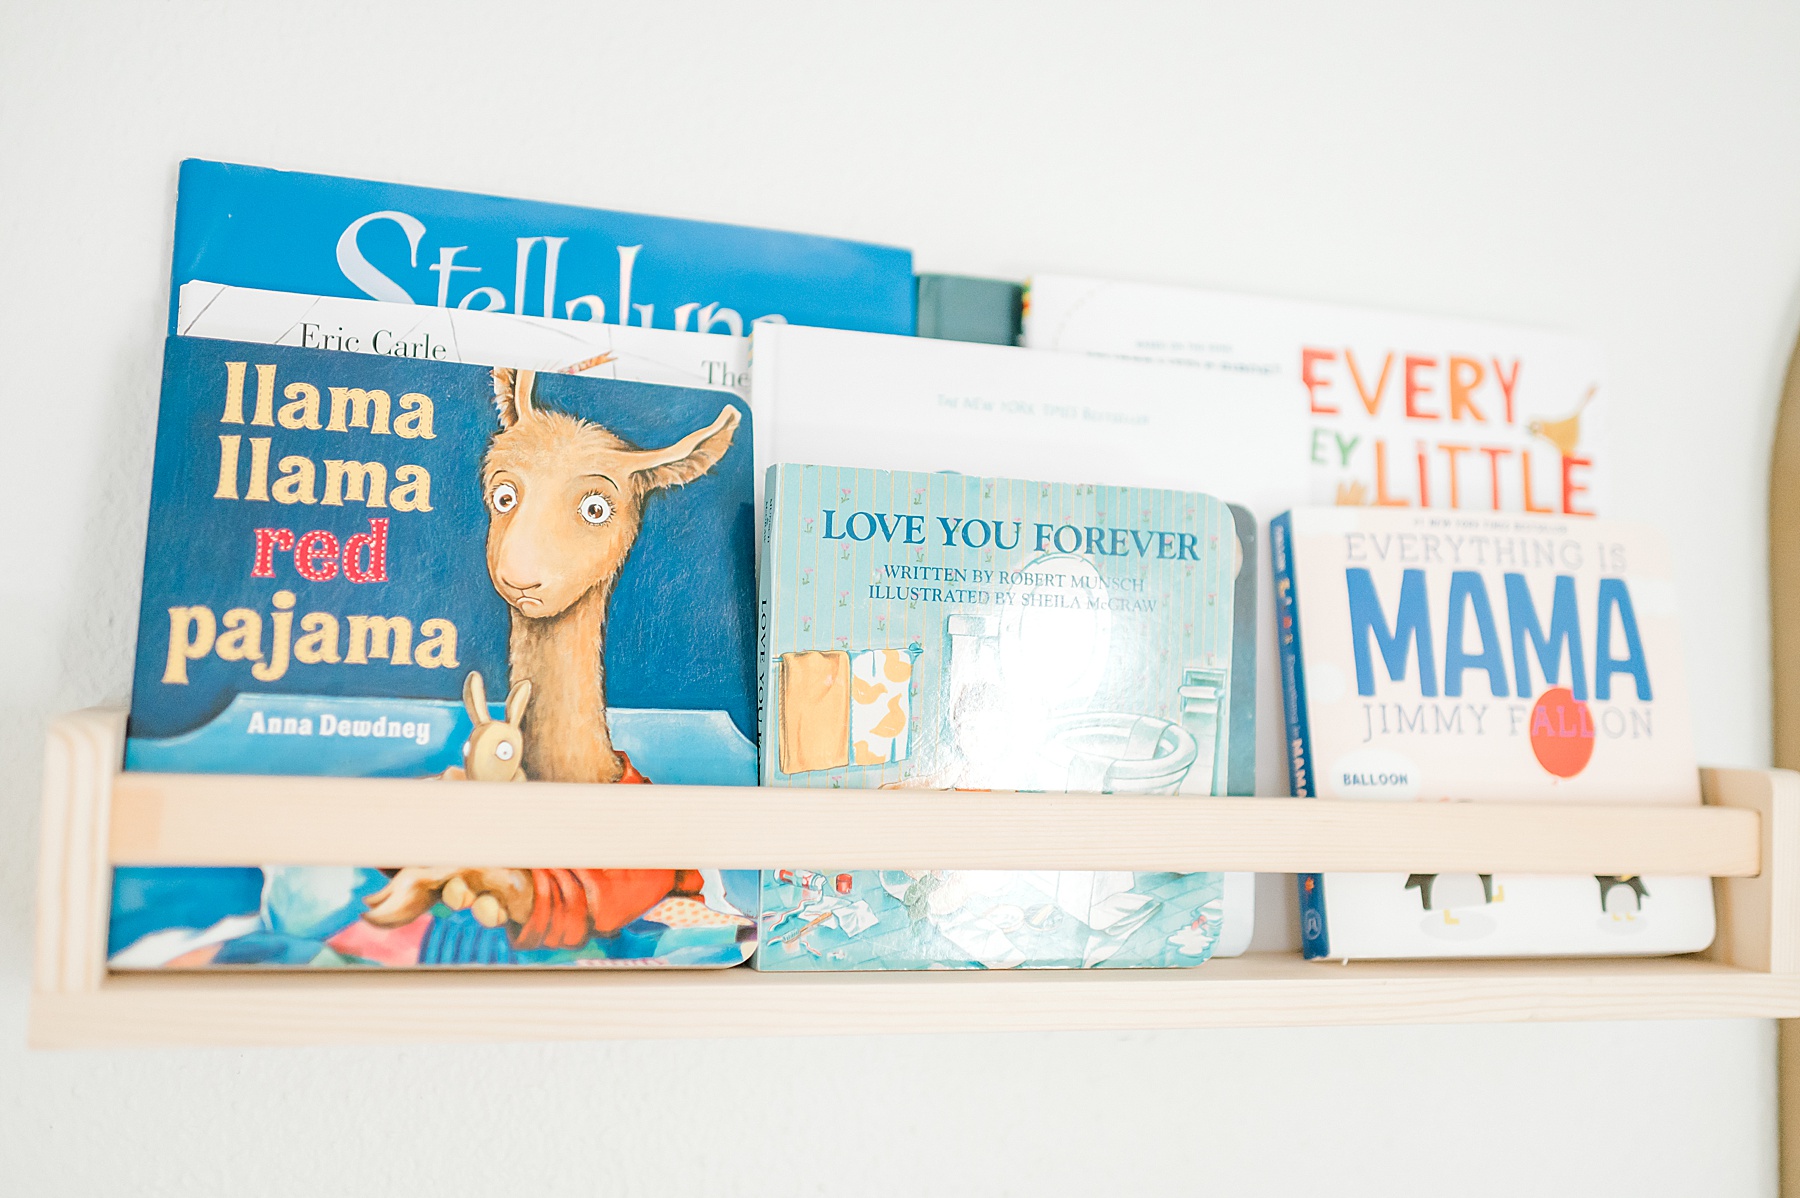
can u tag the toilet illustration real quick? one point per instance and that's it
(1115, 752)
(1205, 694)
(1024, 706)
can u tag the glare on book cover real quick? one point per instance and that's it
(946, 632)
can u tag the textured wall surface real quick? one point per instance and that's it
(1623, 171)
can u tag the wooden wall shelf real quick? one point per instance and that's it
(213, 819)
(1747, 837)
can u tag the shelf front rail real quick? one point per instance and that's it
(1747, 837)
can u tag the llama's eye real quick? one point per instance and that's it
(505, 498)
(595, 509)
(504, 750)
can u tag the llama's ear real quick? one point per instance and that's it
(688, 458)
(512, 394)
(516, 699)
(475, 699)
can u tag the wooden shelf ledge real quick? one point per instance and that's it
(1259, 990)
(1747, 837)
(201, 819)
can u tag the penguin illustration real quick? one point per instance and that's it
(1629, 902)
(1452, 890)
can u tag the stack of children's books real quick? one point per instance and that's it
(476, 489)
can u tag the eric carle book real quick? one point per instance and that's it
(433, 334)
(1453, 655)
(956, 632)
(380, 566)
(247, 226)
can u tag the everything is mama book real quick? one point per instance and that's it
(948, 631)
(1445, 655)
(377, 566)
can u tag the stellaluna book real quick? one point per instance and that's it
(1451, 656)
(379, 566)
(248, 226)
(955, 632)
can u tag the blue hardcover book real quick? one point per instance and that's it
(250, 226)
(387, 567)
(959, 308)
(1314, 941)
(952, 632)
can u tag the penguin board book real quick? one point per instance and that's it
(953, 632)
(250, 226)
(1432, 656)
(1403, 409)
(380, 566)
(588, 348)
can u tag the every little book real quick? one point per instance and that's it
(1434, 656)
(948, 631)
(378, 566)
(1404, 410)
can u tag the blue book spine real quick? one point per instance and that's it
(1315, 938)
(764, 601)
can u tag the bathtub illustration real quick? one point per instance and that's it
(1114, 752)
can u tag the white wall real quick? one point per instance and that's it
(1627, 172)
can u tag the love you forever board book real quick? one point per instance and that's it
(1451, 655)
(953, 632)
(918, 404)
(378, 566)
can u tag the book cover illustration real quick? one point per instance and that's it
(954, 632)
(1402, 410)
(433, 334)
(322, 235)
(1438, 655)
(927, 405)
(377, 566)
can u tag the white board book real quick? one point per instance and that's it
(825, 396)
(585, 347)
(1460, 656)
(1402, 410)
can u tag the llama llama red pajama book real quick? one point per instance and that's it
(386, 567)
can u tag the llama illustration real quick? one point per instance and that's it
(565, 501)
(565, 504)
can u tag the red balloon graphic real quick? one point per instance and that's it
(1562, 733)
